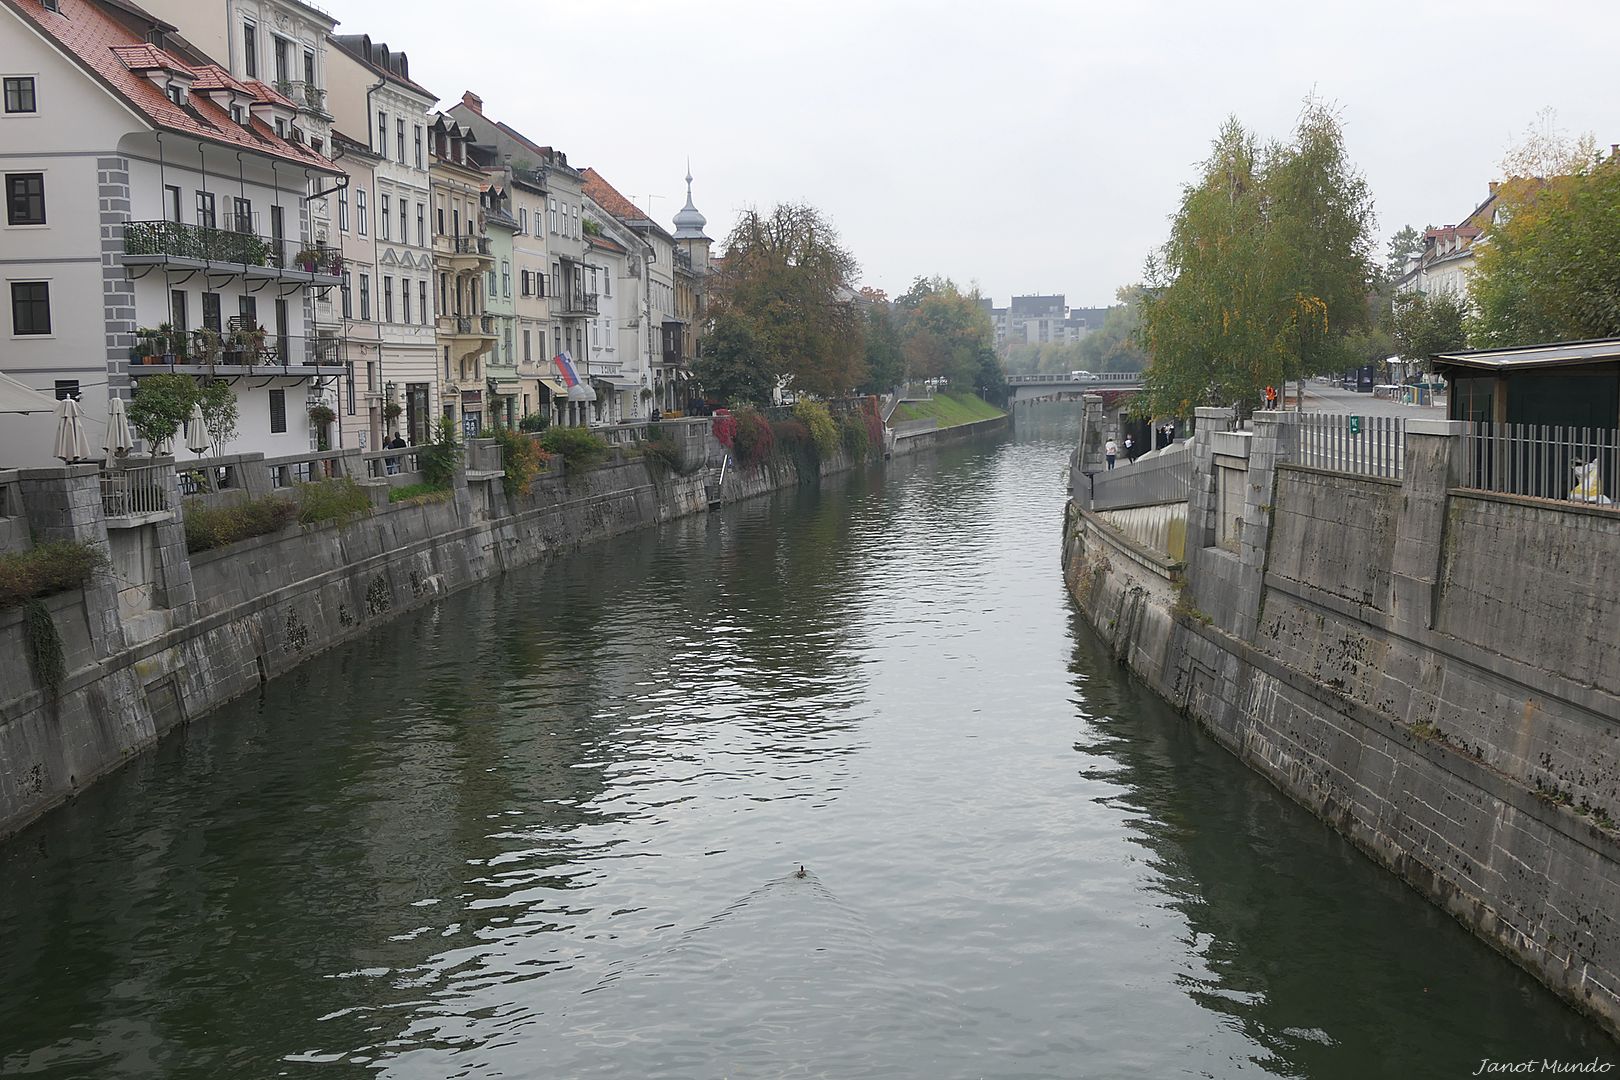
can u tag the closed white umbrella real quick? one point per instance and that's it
(71, 445)
(120, 440)
(197, 432)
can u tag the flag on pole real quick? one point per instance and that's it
(565, 369)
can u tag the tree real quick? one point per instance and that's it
(731, 365)
(1266, 273)
(784, 289)
(1403, 247)
(1114, 345)
(161, 404)
(1424, 325)
(946, 333)
(885, 360)
(1551, 269)
(220, 412)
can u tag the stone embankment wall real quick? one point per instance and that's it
(1433, 671)
(915, 439)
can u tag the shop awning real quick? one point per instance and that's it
(617, 382)
(557, 388)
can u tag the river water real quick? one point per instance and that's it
(550, 828)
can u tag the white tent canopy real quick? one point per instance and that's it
(17, 398)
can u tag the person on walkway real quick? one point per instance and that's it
(1130, 450)
(1271, 397)
(396, 443)
(1111, 451)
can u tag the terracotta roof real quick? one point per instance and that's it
(605, 244)
(265, 92)
(85, 31)
(608, 198)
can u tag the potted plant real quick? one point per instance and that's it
(148, 346)
(392, 410)
(249, 340)
(308, 259)
(207, 344)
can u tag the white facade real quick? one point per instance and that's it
(112, 184)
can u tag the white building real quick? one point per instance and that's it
(171, 191)
(1446, 262)
(375, 100)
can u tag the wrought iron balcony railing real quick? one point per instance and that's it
(579, 303)
(202, 243)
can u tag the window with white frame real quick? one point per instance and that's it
(20, 96)
(360, 211)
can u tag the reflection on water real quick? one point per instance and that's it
(549, 828)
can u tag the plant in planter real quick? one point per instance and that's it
(646, 393)
(249, 341)
(308, 259)
(322, 416)
(207, 345)
(161, 404)
(392, 411)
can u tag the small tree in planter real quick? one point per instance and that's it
(220, 412)
(161, 404)
(207, 345)
(322, 416)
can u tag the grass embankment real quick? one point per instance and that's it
(951, 410)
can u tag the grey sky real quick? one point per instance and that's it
(1027, 146)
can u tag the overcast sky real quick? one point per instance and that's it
(1025, 146)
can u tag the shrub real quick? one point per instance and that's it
(754, 440)
(661, 445)
(439, 458)
(520, 460)
(534, 422)
(215, 526)
(856, 434)
(339, 500)
(823, 430)
(725, 431)
(46, 569)
(44, 647)
(579, 447)
(417, 494)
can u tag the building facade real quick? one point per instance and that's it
(462, 257)
(173, 192)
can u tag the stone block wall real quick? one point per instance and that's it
(1432, 671)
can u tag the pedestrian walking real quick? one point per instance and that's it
(396, 443)
(1130, 450)
(1111, 451)
(1271, 397)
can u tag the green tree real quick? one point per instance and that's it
(731, 365)
(1403, 247)
(885, 361)
(785, 286)
(161, 404)
(1421, 326)
(1114, 346)
(1266, 273)
(1551, 271)
(220, 412)
(947, 333)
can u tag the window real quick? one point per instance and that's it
(551, 215)
(383, 218)
(171, 202)
(279, 47)
(365, 296)
(177, 310)
(360, 210)
(309, 71)
(382, 133)
(419, 164)
(343, 208)
(388, 298)
(506, 278)
(30, 307)
(67, 388)
(399, 140)
(421, 228)
(20, 95)
(527, 352)
(25, 198)
(241, 214)
(523, 283)
(278, 411)
(444, 281)
(174, 93)
(250, 50)
(404, 301)
(441, 220)
(421, 302)
(455, 220)
(490, 276)
(205, 209)
(523, 219)
(404, 225)
(236, 115)
(508, 335)
(211, 317)
(348, 297)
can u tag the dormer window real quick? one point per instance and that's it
(176, 93)
(236, 113)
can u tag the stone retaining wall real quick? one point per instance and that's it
(1430, 670)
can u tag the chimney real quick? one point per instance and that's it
(473, 102)
(1494, 186)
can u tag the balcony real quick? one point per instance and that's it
(465, 253)
(237, 352)
(478, 327)
(230, 251)
(577, 304)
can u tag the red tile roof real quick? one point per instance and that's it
(608, 198)
(604, 243)
(101, 44)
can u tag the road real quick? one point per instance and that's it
(1320, 397)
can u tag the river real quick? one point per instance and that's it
(551, 827)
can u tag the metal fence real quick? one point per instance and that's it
(136, 490)
(1359, 445)
(1573, 464)
(1164, 476)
